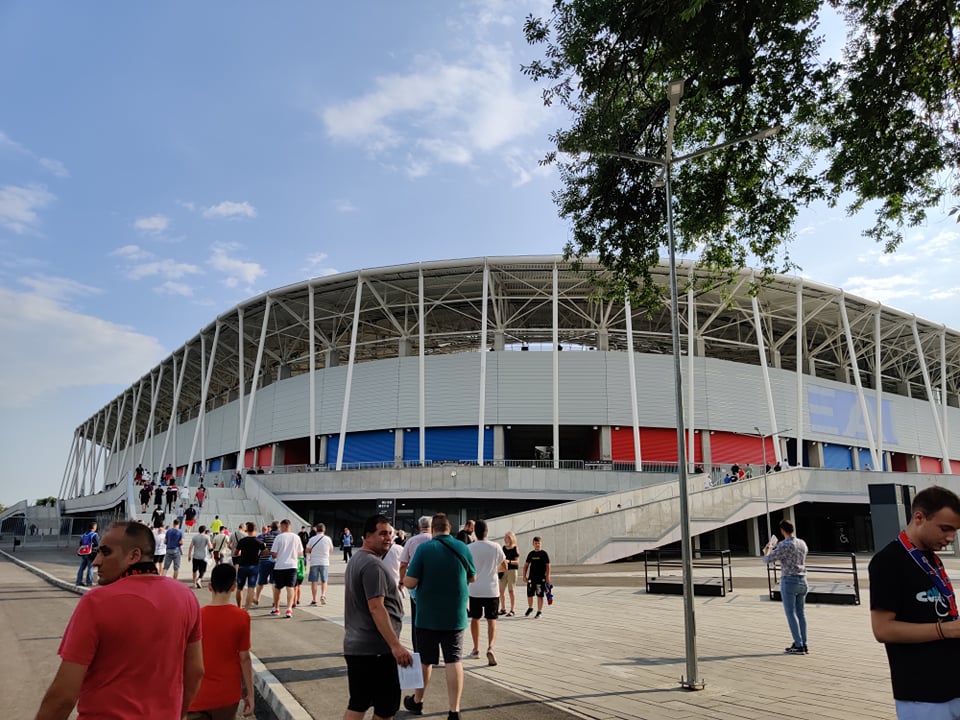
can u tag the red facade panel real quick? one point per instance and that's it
(656, 445)
(729, 448)
(930, 465)
(955, 467)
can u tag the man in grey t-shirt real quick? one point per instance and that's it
(200, 547)
(373, 612)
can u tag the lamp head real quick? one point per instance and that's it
(769, 132)
(675, 90)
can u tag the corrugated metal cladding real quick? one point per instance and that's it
(656, 445)
(362, 447)
(455, 443)
(837, 457)
(741, 449)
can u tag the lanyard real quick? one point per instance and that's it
(936, 571)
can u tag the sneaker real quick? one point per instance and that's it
(537, 615)
(475, 653)
(274, 612)
(527, 613)
(288, 614)
(313, 603)
(453, 715)
(794, 650)
(491, 658)
(501, 611)
(805, 650)
(323, 599)
(412, 706)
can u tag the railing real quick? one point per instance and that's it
(838, 591)
(715, 560)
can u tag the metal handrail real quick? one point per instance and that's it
(670, 559)
(773, 581)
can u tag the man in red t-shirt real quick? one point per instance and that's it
(100, 671)
(226, 653)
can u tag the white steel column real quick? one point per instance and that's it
(632, 371)
(313, 378)
(878, 385)
(947, 467)
(768, 391)
(856, 379)
(930, 398)
(154, 390)
(691, 385)
(800, 341)
(205, 375)
(67, 467)
(483, 362)
(116, 437)
(423, 375)
(103, 446)
(240, 369)
(253, 385)
(556, 368)
(171, 427)
(353, 356)
(132, 433)
(88, 471)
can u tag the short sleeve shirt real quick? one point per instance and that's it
(367, 578)
(487, 556)
(441, 568)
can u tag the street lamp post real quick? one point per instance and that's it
(692, 681)
(766, 495)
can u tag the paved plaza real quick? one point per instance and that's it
(604, 649)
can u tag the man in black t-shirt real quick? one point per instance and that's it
(247, 558)
(913, 610)
(536, 574)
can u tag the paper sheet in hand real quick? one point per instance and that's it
(411, 677)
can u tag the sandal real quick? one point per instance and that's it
(510, 614)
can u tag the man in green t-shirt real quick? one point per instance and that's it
(440, 571)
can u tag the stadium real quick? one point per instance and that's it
(502, 386)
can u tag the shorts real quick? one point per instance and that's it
(536, 587)
(508, 580)
(373, 681)
(191, 523)
(484, 607)
(319, 573)
(172, 558)
(285, 578)
(247, 576)
(200, 567)
(159, 558)
(265, 572)
(431, 642)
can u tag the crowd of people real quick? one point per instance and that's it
(455, 581)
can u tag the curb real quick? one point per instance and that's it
(280, 700)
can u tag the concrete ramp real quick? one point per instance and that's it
(610, 527)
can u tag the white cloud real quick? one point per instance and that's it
(166, 268)
(442, 112)
(345, 206)
(885, 289)
(229, 209)
(57, 288)
(49, 347)
(233, 270)
(55, 167)
(154, 224)
(525, 166)
(174, 288)
(132, 253)
(315, 266)
(19, 206)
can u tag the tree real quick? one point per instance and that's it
(879, 124)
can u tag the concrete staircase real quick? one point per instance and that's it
(231, 504)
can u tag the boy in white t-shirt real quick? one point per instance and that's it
(285, 550)
(484, 592)
(318, 553)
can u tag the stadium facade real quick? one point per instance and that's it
(493, 385)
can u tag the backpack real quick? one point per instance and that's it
(86, 544)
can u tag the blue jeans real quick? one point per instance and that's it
(949, 710)
(793, 591)
(86, 565)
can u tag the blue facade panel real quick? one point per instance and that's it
(362, 447)
(837, 457)
(215, 465)
(865, 459)
(447, 443)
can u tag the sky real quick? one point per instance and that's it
(162, 162)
